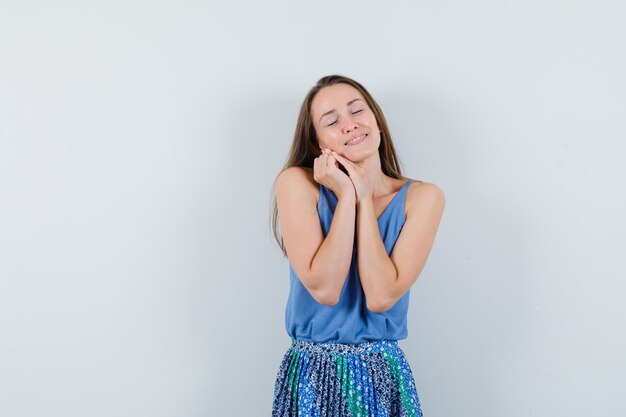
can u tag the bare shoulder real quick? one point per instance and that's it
(422, 194)
(298, 181)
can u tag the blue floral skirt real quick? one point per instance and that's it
(345, 380)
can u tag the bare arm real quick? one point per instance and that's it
(385, 279)
(322, 264)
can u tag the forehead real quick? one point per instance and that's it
(333, 97)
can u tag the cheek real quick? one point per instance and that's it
(374, 124)
(368, 119)
(322, 141)
(329, 136)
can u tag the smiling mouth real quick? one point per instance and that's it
(356, 140)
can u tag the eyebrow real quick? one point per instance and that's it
(333, 110)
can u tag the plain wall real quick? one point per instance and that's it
(138, 146)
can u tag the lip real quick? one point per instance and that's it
(356, 136)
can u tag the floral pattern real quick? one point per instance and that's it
(345, 380)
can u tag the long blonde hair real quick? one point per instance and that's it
(305, 147)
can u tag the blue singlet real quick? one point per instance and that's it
(349, 321)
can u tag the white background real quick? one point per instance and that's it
(138, 146)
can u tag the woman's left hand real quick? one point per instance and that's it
(357, 176)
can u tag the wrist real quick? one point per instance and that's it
(347, 194)
(366, 200)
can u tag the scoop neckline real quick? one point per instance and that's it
(392, 200)
(386, 209)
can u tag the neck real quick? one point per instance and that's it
(381, 184)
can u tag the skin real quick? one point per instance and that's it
(340, 112)
(336, 128)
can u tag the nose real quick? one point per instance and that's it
(349, 125)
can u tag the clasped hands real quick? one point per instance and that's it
(326, 172)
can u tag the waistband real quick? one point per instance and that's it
(374, 346)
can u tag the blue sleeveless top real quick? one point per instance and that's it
(349, 321)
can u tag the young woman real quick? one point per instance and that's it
(357, 235)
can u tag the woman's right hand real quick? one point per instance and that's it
(326, 172)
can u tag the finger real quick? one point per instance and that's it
(324, 160)
(341, 158)
(330, 161)
(320, 165)
(345, 162)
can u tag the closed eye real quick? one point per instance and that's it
(354, 112)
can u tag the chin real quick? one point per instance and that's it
(359, 157)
